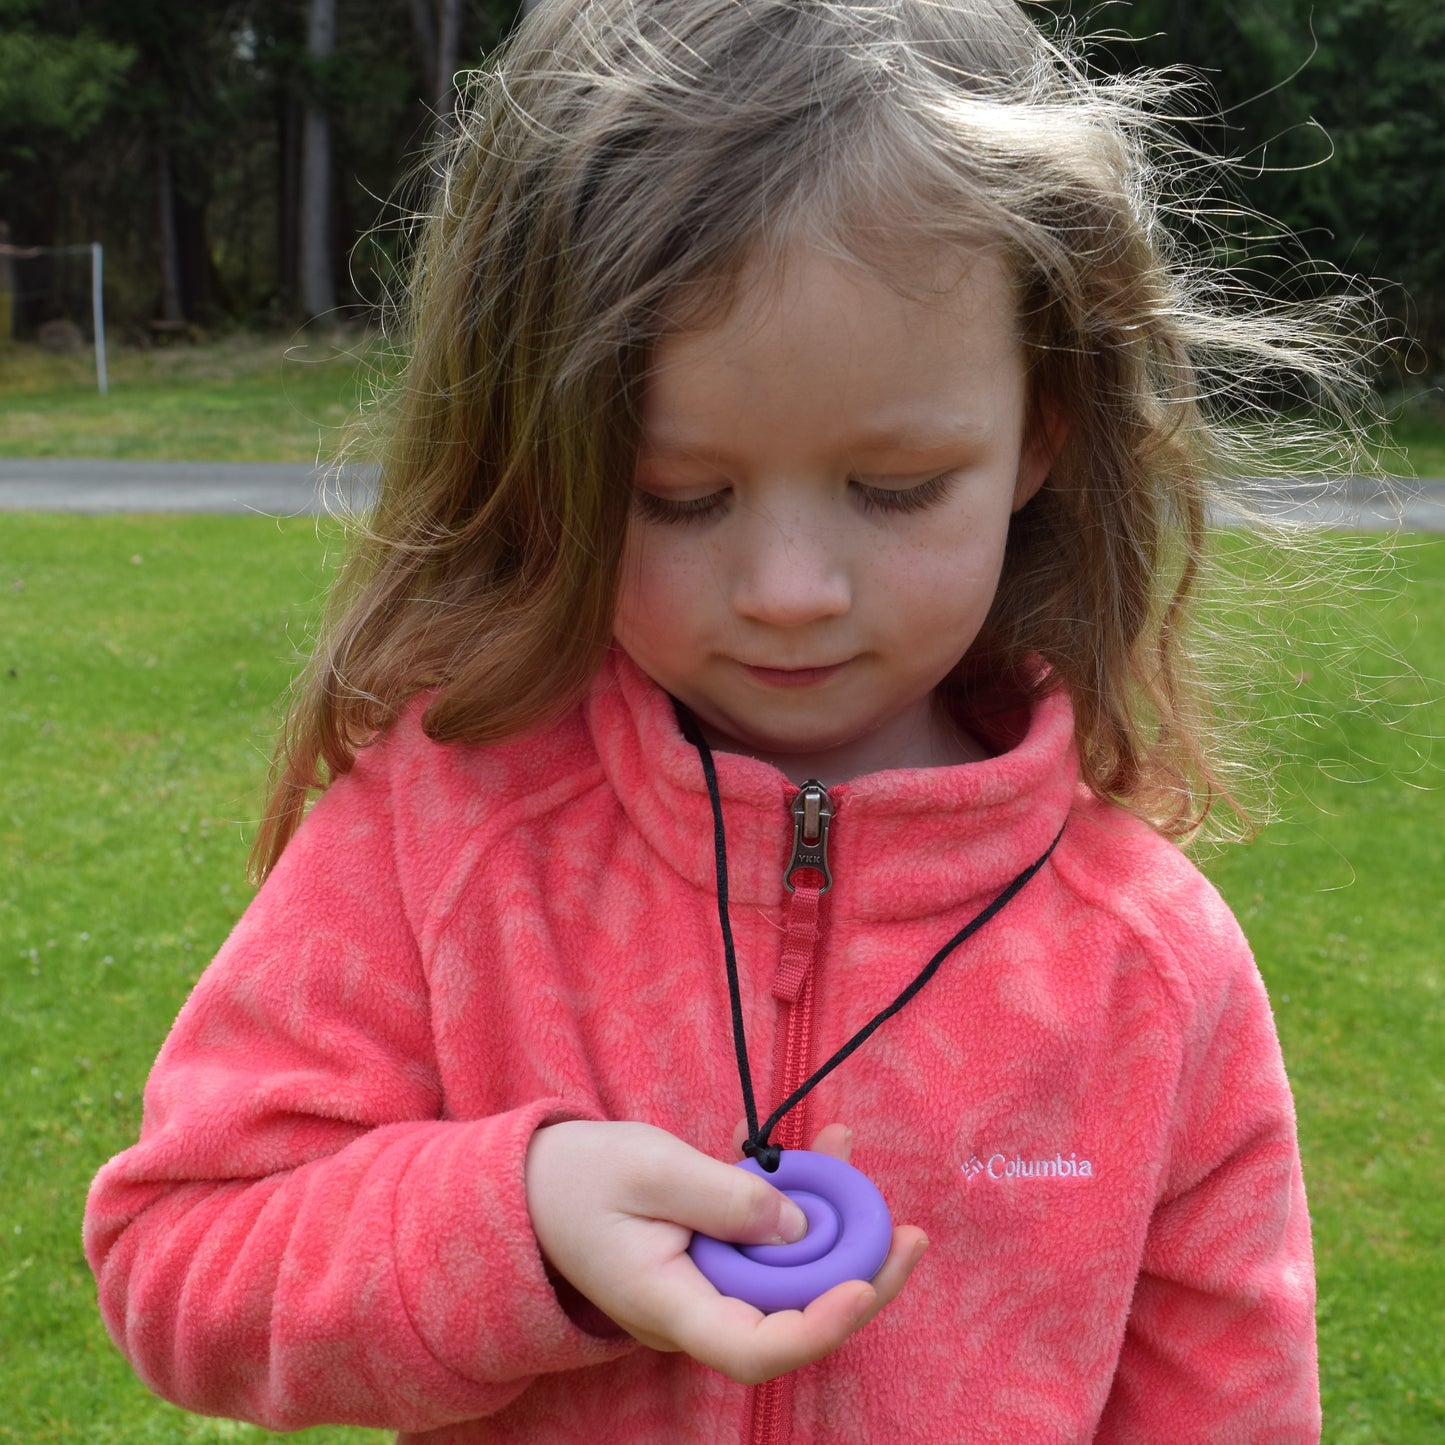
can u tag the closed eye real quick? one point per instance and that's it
(904, 499)
(652, 508)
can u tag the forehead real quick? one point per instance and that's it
(813, 342)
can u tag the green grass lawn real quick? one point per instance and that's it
(140, 664)
(246, 399)
(1418, 431)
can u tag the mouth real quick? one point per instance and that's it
(793, 676)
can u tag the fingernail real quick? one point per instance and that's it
(919, 1250)
(792, 1222)
(847, 1138)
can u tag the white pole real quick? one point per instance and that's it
(97, 306)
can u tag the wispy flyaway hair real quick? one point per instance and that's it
(618, 165)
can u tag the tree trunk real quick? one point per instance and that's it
(7, 286)
(449, 27)
(436, 26)
(318, 292)
(288, 191)
(1182, 26)
(171, 308)
(425, 32)
(201, 291)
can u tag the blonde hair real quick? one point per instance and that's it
(618, 164)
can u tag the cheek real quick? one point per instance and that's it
(938, 593)
(949, 576)
(658, 583)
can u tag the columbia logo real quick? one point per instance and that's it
(1001, 1166)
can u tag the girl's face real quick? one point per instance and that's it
(822, 499)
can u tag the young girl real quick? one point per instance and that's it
(798, 489)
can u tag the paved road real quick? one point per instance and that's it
(289, 491)
(102, 486)
(1366, 506)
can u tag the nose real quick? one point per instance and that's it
(791, 572)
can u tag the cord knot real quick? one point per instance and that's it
(769, 1156)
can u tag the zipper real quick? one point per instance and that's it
(812, 811)
(807, 877)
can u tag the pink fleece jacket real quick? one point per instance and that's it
(325, 1221)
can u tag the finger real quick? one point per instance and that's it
(734, 1338)
(719, 1199)
(834, 1139)
(908, 1247)
(750, 1347)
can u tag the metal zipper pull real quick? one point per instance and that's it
(812, 811)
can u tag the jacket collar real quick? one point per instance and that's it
(904, 843)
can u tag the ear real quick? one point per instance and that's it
(1045, 433)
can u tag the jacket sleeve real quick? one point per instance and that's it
(1220, 1339)
(301, 1236)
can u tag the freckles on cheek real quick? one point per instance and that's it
(646, 572)
(673, 562)
(631, 587)
(657, 594)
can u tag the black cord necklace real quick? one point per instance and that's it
(757, 1145)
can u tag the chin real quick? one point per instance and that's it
(792, 743)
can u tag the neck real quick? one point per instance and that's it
(929, 737)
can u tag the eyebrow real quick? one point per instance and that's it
(907, 440)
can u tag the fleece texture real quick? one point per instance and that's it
(324, 1219)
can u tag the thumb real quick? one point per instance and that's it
(722, 1200)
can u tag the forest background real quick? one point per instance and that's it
(241, 161)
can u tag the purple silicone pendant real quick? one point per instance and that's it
(849, 1233)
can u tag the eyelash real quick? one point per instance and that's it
(910, 499)
(658, 509)
(652, 508)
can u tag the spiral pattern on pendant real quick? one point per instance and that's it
(849, 1234)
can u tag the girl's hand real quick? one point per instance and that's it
(614, 1206)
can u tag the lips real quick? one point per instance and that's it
(793, 676)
